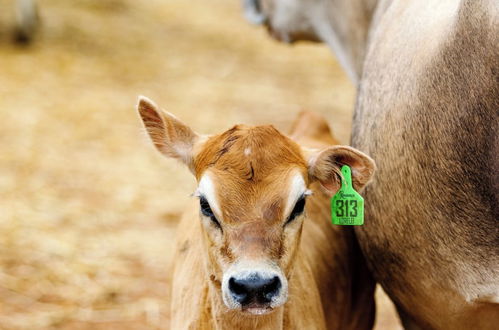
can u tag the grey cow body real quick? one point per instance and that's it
(427, 112)
(429, 118)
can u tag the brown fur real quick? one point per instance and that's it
(427, 111)
(251, 167)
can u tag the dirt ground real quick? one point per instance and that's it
(88, 209)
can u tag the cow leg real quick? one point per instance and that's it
(27, 20)
(406, 319)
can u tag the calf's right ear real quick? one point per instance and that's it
(170, 136)
(325, 166)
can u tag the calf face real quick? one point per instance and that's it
(252, 189)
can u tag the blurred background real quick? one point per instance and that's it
(88, 208)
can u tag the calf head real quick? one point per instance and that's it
(252, 188)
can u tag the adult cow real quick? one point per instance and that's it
(427, 111)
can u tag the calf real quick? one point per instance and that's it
(427, 111)
(258, 250)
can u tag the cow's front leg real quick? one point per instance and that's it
(27, 20)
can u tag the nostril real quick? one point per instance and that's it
(272, 288)
(239, 291)
(236, 287)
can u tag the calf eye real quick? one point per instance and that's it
(207, 212)
(297, 210)
(205, 207)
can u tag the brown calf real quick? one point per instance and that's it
(251, 254)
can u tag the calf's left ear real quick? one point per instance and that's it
(325, 166)
(170, 136)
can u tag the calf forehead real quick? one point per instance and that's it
(251, 201)
(252, 169)
(249, 153)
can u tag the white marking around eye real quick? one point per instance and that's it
(206, 188)
(296, 189)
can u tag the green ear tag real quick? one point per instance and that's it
(347, 206)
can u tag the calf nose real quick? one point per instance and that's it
(254, 289)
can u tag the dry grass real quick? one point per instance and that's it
(87, 208)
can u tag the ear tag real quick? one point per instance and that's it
(347, 206)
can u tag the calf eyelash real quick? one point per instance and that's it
(207, 212)
(297, 209)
